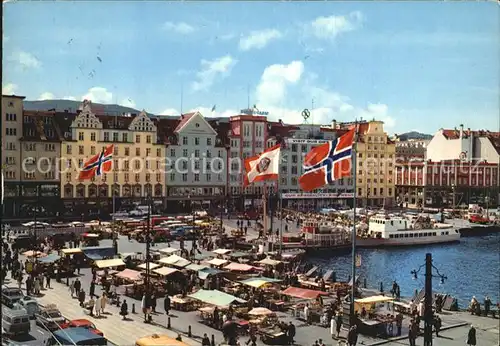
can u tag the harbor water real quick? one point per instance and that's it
(471, 267)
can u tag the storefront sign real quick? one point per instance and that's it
(317, 195)
(249, 111)
(306, 141)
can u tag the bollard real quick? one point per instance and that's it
(364, 282)
(212, 343)
(67, 280)
(381, 287)
(189, 331)
(133, 308)
(168, 323)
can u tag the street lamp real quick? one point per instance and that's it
(147, 288)
(453, 192)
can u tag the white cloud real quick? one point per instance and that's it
(169, 111)
(378, 111)
(179, 27)
(71, 98)
(207, 112)
(332, 26)
(211, 70)
(46, 96)
(9, 89)
(274, 81)
(98, 95)
(25, 60)
(259, 39)
(128, 103)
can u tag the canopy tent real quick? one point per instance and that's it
(258, 282)
(129, 274)
(168, 250)
(269, 261)
(328, 275)
(217, 262)
(32, 253)
(159, 340)
(151, 266)
(113, 262)
(303, 293)
(71, 251)
(206, 272)
(222, 251)
(99, 252)
(165, 271)
(239, 254)
(370, 302)
(215, 297)
(195, 267)
(53, 257)
(240, 267)
(311, 271)
(175, 260)
(260, 312)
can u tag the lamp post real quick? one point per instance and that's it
(147, 288)
(487, 202)
(428, 312)
(453, 196)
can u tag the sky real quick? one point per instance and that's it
(414, 65)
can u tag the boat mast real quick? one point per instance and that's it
(353, 233)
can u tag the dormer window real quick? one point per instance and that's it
(197, 125)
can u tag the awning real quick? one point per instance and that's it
(217, 262)
(168, 250)
(373, 300)
(222, 251)
(99, 252)
(195, 267)
(215, 297)
(259, 282)
(129, 274)
(270, 262)
(239, 254)
(50, 258)
(71, 251)
(31, 253)
(240, 267)
(303, 293)
(151, 266)
(165, 271)
(176, 261)
(260, 312)
(114, 262)
(206, 272)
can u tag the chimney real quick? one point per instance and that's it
(461, 130)
(334, 124)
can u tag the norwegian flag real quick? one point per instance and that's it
(98, 164)
(327, 162)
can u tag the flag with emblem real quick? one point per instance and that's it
(98, 164)
(327, 162)
(263, 167)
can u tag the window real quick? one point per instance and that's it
(127, 151)
(11, 146)
(184, 177)
(50, 147)
(137, 164)
(137, 177)
(158, 177)
(115, 150)
(172, 152)
(196, 153)
(29, 175)
(196, 141)
(184, 140)
(209, 141)
(184, 165)
(10, 131)
(106, 136)
(124, 137)
(209, 177)
(115, 136)
(92, 150)
(68, 149)
(138, 138)
(137, 151)
(158, 152)
(197, 177)
(209, 154)
(80, 136)
(92, 136)
(184, 153)
(80, 150)
(68, 176)
(80, 163)
(10, 116)
(126, 177)
(10, 175)
(148, 177)
(148, 151)
(30, 147)
(148, 139)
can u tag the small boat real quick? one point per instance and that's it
(385, 230)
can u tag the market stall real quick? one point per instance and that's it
(311, 298)
(175, 261)
(373, 315)
(110, 263)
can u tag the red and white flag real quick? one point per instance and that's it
(263, 167)
(98, 164)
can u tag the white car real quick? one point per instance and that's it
(29, 304)
(50, 318)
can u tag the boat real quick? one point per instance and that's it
(388, 230)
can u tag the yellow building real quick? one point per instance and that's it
(375, 165)
(138, 159)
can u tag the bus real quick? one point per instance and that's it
(158, 340)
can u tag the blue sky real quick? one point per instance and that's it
(415, 65)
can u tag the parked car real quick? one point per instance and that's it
(50, 317)
(15, 322)
(11, 295)
(29, 304)
(82, 323)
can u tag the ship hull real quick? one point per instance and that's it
(372, 242)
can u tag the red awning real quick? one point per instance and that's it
(303, 293)
(239, 267)
(129, 274)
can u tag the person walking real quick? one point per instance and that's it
(437, 325)
(47, 280)
(92, 289)
(291, 333)
(81, 297)
(98, 303)
(104, 301)
(471, 336)
(124, 310)
(153, 302)
(166, 304)
(352, 336)
(411, 333)
(78, 287)
(338, 323)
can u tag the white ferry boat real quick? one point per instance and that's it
(386, 230)
(319, 234)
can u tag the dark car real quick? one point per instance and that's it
(11, 295)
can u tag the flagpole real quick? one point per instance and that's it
(353, 233)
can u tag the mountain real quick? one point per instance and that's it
(414, 135)
(72, 106)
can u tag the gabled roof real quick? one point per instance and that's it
(184, 120)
